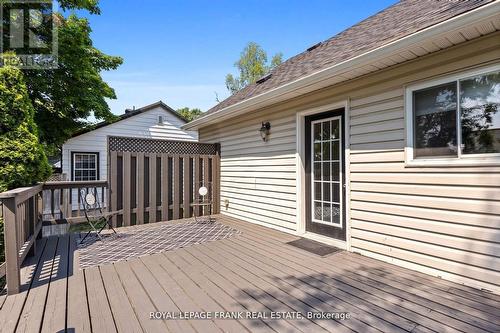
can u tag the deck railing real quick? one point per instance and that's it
(148, 181)
(24, 210)
(21, 212)
(143, 188)
(62, 200)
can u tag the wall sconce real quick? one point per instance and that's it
(265, 130)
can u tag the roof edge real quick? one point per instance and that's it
(268, 97)
(130, 114)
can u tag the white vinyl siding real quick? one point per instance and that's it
(258, 178)
(438, 218)
(444, 221)
(144, 125)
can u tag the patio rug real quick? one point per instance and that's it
(136, 241)
(317, 248)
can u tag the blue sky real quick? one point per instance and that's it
(180, 51)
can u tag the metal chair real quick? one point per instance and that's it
(203, 202)
(94, 213)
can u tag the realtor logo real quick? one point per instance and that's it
(28, 30)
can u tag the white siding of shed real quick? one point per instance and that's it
(144, 125)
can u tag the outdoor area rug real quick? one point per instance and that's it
(136, 241)
(317, 248)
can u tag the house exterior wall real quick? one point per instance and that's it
(144, 125)
(444, 221)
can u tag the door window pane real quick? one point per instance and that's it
(336, 171)
(317, 170)
(326, 151)
(326, 171)
(435, 121)
(336, 213)
(335, 150)
(336, 192)
(317, 210)
(327, 212)
(326, 192)
(335, 130)
(317, 190)
(480, 114)
(317, 151)
(317, 132)
(326, 131)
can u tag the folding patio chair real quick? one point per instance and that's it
(94, 213)
(204, 202)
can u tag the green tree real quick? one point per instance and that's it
(22, 157)
(189, 114)
(251, 66)
(90, 5)
(69, 94)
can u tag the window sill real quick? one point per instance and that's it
(450, 162)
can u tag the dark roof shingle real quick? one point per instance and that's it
(395, 22)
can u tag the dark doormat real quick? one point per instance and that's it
(317, 248)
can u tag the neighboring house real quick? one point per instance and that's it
(369, 141)
(84, 156)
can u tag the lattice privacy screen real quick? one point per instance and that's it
(139, 145)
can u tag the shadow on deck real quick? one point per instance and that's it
(252, 273)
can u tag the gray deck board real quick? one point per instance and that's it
(218, 294)
(288, 275)
(212, 272)
(34, 306)
(199, 295)
(245, 292)
(141, 304)
(253, 271)
(418, 313)
(313, 298)
(13, 305)
(101, 316)
(77, 311)
(175, 292)
(126, 320)
(159, 297)
(54, 320)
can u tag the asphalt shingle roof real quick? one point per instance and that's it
(395, 22)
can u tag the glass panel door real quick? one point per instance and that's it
(326, 180)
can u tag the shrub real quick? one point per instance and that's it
(22, 157)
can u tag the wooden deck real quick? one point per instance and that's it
(254, 271)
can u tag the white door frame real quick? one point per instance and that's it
(301, 173)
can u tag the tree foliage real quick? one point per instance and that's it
(189, 114)
(22, 157)
(69, 94)
(252, 65)
(90, 5)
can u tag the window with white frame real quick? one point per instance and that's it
(85, 166)
(455, 118)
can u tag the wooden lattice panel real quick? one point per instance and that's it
(123, 144)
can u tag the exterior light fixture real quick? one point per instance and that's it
(265, 129)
